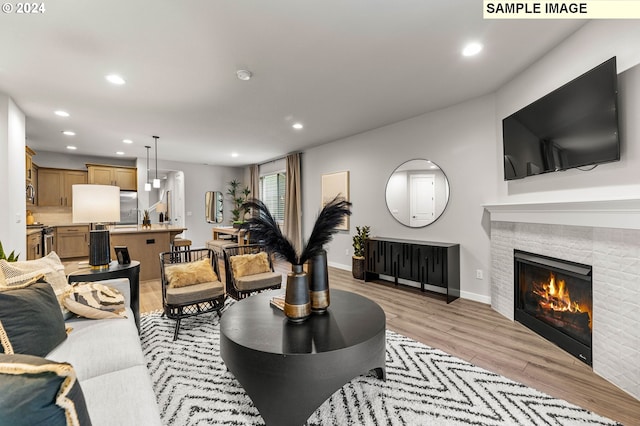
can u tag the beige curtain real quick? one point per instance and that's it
(293, 202)
(254, 181)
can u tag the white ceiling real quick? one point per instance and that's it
(341, 67)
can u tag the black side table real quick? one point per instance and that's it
(289, 370)
(115, 270)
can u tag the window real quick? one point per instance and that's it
(272, 190)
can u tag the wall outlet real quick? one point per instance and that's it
(346, 252)
(479, 274)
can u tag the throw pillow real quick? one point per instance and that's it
(249, 264)
(37, 391)
(30, 320)
(191, 273)
(19, 273)
(94, 300)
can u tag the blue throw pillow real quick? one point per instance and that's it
(37, 391)
(30, 320)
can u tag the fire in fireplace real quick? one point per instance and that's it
(554, 299)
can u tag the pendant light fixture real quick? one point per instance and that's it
(156, 181)
(147, 185)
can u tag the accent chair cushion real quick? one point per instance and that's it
(30, 319)
(94, 300)
(190, 273)
(192, 293)
(37, 391)
(258, 281)
(249, 264)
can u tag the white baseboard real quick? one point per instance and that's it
(463, 294)
(339, 266)
(476, 297)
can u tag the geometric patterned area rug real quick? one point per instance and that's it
(424, 386)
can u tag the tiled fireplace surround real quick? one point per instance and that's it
(605, 235)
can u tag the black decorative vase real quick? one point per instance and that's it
(297, 306)
(319, 283)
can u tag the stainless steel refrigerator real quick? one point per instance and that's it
(128, 208)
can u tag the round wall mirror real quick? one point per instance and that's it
(417, 193)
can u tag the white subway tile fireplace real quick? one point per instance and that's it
(603, 234)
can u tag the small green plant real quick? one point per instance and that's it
(12, 256)
(239, 197)
(362, 234)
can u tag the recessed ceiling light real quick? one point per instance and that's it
(127, 141)
(71, 147)
(120, 153)
(297, 126)
(61, 113)
(472, 49)
(68, 133)
(244, 75)
(115, 79)
(234, 154)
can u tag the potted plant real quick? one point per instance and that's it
(146, 221)
(12, 256)
(239, 197)
(357, 261)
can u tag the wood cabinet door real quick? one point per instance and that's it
(34, 246)
(72, 241)
(126, 179)
(28, 167)
(50, 187)
(72, 177)
(100, 175)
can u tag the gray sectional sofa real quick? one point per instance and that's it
(107, 357)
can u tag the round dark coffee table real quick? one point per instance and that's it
(289, 370)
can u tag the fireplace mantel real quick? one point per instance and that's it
(621, 214)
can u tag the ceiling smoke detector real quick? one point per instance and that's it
(243, 75)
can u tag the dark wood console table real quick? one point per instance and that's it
(288, 370)
(436, 264)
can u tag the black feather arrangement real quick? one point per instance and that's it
(331, 216)
(263, 227)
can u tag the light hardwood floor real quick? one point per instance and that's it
(474, 332)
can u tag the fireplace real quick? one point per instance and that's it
(554, 298)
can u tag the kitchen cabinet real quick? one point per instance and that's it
(54, 186)
(34, 245)
(124, 177)
(72, 241)
(29, 153)
(30, 176)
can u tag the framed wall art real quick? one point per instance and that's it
(336, 184)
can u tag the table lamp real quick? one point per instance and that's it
(161, 208)
(98, 205)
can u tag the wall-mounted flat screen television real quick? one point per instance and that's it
(575, 125)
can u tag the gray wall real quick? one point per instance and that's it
(72, 161)
(460, 139)
(198, 179)
(590, 46)
(466, 142)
